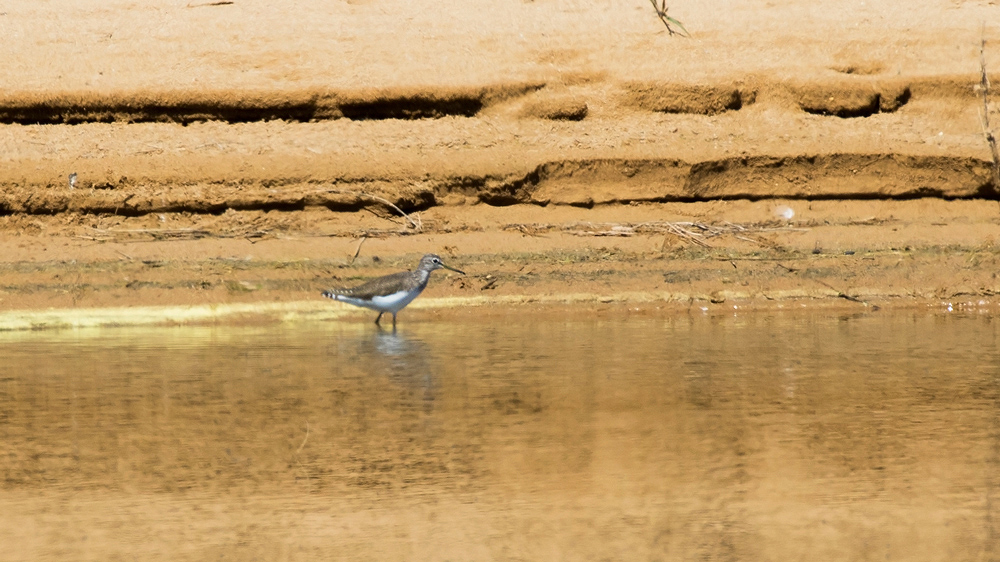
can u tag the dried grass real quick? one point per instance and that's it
(694, 232)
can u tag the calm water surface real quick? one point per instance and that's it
(763, 437)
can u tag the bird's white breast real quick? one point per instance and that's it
(393, 302)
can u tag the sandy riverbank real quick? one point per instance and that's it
(230, 154)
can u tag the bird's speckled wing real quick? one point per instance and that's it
(379, 287)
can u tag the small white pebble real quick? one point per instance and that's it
(784, 211)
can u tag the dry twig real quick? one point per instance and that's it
(357, 252)
(661, 12)
(413, 224)
(841, 294)
(984, 89)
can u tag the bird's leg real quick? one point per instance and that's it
(379, 318)
(393, 320)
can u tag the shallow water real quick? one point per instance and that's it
(515, 437)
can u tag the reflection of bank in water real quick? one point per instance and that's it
(679, 437)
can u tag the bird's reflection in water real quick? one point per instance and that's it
(404, 359)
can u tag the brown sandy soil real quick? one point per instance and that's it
(247, 151)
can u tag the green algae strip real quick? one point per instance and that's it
(160, 315)
(61, 318)
(325, 310)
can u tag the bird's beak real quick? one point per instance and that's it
(452, 268)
